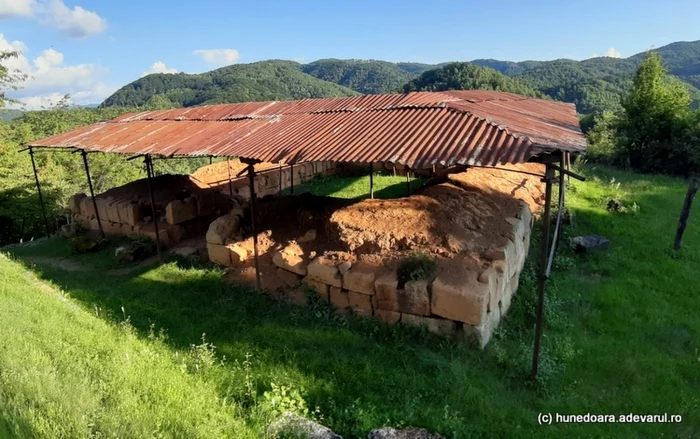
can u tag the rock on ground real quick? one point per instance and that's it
(408, 433)
(290, 425)
(589, 243)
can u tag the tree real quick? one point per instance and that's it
(693, 163)
(656, 112)
(9, 78)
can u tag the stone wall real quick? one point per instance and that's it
(464, 303)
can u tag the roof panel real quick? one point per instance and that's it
(419, 130)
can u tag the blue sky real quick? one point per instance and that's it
(90, 48)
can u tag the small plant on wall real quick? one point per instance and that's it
(418, 266)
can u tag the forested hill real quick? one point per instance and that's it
(594, 84)
(260, 81)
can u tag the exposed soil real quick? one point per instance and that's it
(456, 222)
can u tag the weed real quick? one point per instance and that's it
(418, 266)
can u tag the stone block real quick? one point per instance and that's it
(495, 255)
(113, 211)
(219, 254)
(290, 262)
(339, 298)
(436, 326)
(324, 270)
(222, 229)
(344, 267)
(148, 230)
(75, 201)
(177, 211)
(290, 279)
(390, 317)
(319, 287)
(130, 212)
(175, 233)
(518, 228)
(111, 228)
(464, 301)
(238, 254)
(386, 292)
(481, 335)
(361, 281)
(87, 207)
(361, 303)
(102, 206)
(414, 298)
(128, 230)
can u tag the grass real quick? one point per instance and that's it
(621, 337)
(385, 186)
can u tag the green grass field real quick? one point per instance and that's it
(621, 337)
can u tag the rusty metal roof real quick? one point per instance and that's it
(420, 129)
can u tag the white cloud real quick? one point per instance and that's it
(219, 57)
(76, 22)
(16, 8)
(49, 79)
(159, 67)
(611, 53)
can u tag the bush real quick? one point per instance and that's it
(418, 266)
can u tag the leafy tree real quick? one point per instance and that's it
(467, 76)
(654, 120)
(9, 78)
(364, 76)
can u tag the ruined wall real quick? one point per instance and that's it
(463, 300)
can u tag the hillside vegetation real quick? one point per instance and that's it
(261, 81)
(594, 85)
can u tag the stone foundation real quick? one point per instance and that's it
(467, 305)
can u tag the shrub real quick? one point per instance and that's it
(418, 266)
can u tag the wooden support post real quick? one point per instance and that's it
(544, 250)
(230, 184)
(149, 173)
(371, 180)
(685, 213)
(38, 189)
(281, 183)
(211, 159)
(251, 182)
(92, 192)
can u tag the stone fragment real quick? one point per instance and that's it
(84, 244)
(219, 254)
(222, 228)
(481, 335)
(390, 317)
(324, 270)
(344, 267)
(339, 298)
(238, 254)
(589, 243)
(177, 211)
(87, 207)
(436, 326)
(360, 303)
(308, 236)
(185, 252)
(414, 298)
(386, 292)
(289, 262)
(359, 280)
(407, 433)
(68, 230)
(319, 287)
(290, 279)
(290, 425)
(75, 201)
(466, 301)
(495, 255)
(204, 200)
(134, 251)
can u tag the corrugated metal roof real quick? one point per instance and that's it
(416, 129)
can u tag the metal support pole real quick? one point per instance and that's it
(251, 182)
(544, 250)
(92, 192)
(371, 180)
(230, 184)
(38, 189)
(211, 159)
(408, 184)
(281, 183)
(149, 172)
(291, 173)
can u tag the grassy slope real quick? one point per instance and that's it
(621, 338)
